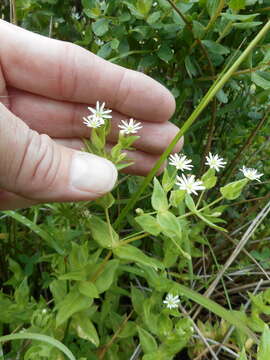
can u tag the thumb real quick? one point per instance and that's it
(35, 167)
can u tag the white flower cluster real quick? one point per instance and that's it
(189, 182)
(99, 115)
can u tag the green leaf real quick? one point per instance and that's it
(247, 25)
(239, 17)
(169, 224)
(190, 67)
(198, 30)
(72, 303)
(144, 6)
(190, 203)
(149, 224)
(131, 253)
(233, 190)
(237, 5)
(159, 197)
(104, 52)
(212, 6)
(153, 17)
(85, 328)
(260, 81)
(264, 346)
(222, 96)
(102, 232)
(114, 44)
(106, 201)
(147, 341)
(88, 289)
(38, 337)
(73, 275)
(209, 179)
(176, 197)
(191, 206)
(165, 53)
(106, 278)
(100, 27)
(215, 48)
(168, 180)
(137, 298)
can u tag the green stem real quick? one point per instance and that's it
(212, 203)
(109, 226)
(218, 84)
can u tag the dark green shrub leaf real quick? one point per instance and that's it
(165, 53)
(153, 17)
(215, 48)
(260, 81)
(100, 27)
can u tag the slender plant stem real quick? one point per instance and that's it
(231, 168)
(218, 84)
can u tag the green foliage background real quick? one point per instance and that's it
(58, 275)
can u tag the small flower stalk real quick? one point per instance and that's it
(100, 123)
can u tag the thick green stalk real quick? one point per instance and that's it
(218, 84)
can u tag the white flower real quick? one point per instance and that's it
(189, 183)
(99, 112)
(171, 301)
(93, 121)
(131, 127)
(180, 162)
(215, 162)
(251, 174)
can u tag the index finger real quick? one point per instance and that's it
(65, 71)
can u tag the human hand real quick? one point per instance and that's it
(45, 87)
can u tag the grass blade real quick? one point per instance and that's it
(217, 309)
(36, 229)
(39, 337)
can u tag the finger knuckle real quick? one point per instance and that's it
(38, 166)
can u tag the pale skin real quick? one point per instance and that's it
(45, 88)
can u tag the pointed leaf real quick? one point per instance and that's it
(131, 253)
(159, 198)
